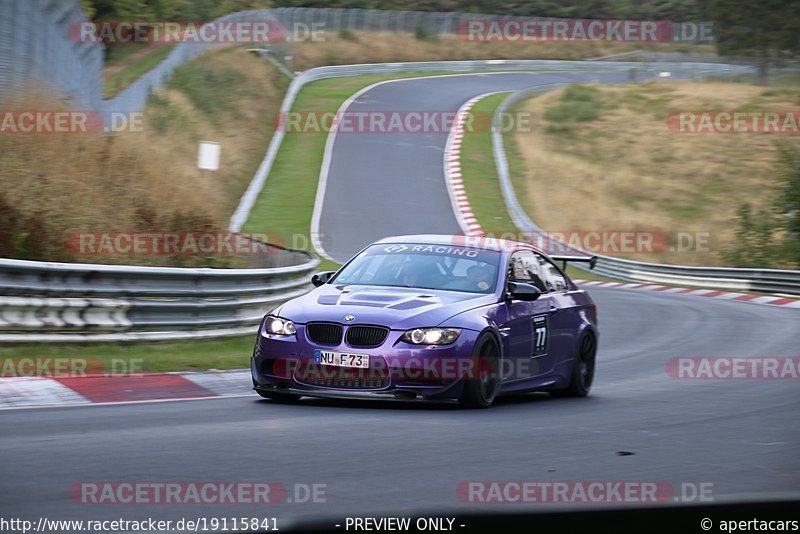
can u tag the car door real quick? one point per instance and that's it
(527, 329)
(563, 311)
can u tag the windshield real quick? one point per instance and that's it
(424, 266)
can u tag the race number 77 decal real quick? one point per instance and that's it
(540, 335)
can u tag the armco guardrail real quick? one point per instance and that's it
(83, 302)
(767, 280)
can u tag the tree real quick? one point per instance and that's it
(88, 8)
(764, 29)
(232, 6)
(122, 10)
(171, 9)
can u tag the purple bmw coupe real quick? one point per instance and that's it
(429, 317)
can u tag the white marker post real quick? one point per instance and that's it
(208, 159)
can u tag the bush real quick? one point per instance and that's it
(754, 245)
(577, 112)
(28, 237)
(578, 103)
(347, 34)
(581, 93)
(423, 33)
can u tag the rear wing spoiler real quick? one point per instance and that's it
(591, 260)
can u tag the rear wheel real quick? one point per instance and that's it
(582, 369)
(481, 387)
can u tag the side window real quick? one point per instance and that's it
(524, 267)
(516, 269)
(553, 279)
(534, 268)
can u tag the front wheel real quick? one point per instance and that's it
(481, 387)
(582, 369)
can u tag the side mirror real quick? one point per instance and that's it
(322, 278)
(523, 291)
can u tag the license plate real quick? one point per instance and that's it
(341, 359)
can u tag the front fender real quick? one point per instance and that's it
(479, 320)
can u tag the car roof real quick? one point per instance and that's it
(479, 242)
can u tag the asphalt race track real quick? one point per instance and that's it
(740, 435)
(381, 184)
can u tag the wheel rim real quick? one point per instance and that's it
(488, 381)
(586, 361)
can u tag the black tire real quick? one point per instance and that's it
(481, 387)
(279, 397)
(582, 369)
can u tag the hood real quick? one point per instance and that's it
(398, 308)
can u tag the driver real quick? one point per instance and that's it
(414, 273)
(481, 276)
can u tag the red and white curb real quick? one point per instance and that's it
(771, 300)
(452, 171)
(23, 392)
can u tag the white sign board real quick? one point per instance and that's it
(208, 159)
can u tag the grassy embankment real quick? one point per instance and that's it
(604, 158)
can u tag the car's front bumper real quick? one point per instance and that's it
(397, 370)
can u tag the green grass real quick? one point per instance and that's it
(148, 357)
(118, 81)
(480, 173)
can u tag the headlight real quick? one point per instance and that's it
(431, 336)
(279, 327)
